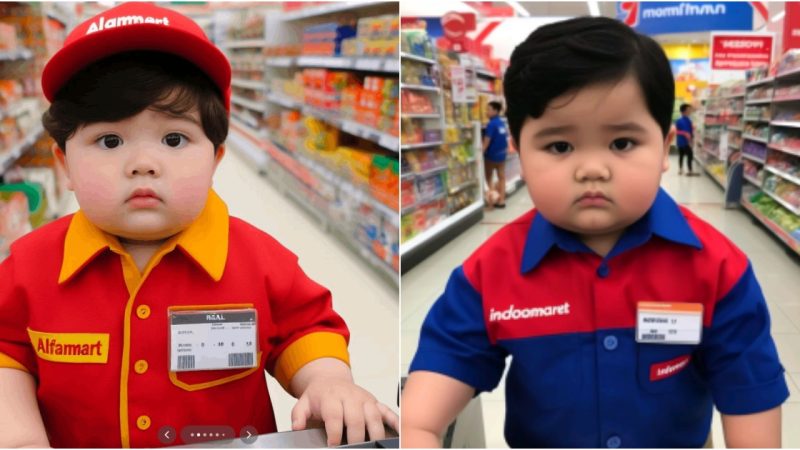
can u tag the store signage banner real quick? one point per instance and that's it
(740, 51)
(458, 80)
(791, 26)
(683, 17)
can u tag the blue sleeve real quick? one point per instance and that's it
(454, 341)
(738, 355)
(491, 130)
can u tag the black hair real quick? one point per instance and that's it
(684, 107)
(125, 84)
(497, 106)
(568, 55)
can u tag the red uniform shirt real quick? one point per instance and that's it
(77, 315)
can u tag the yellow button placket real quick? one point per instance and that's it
(133, 281)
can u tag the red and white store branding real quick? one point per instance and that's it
(669, 368)
(740, 51)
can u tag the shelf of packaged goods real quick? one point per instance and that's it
(417, 58)
(711, 138)
(785, 123)
(710, 152)
(431, 171)
(385, 140)
(752, 158)
(789, 150)
(420, 116)
(788, 98)
(284, 100)
(257, 85)
(719, 181)
(8, 158)
(408, 176)
(365, 63)
(760, 82)
(421, 145)
(439, 227)
(458, 188)
(247, 43)
(752, 180)
(325, 9)
(738, 95)
(754, 138)
(788, 73)
(758, 101)
(735, 128)
(256, 106)
(12, 55)
(248, 123)
(783, 174)
(794, 210)
(734, 146)
(756, 119)
(776, 229)
(279, 61)
(420, 87)
(412, 207)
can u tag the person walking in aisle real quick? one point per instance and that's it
(685, 137)
(495, 146)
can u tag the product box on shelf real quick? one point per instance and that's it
(416, 42)
(8, 37)
(326, 38)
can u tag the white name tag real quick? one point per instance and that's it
(669, 323)
(213, 340)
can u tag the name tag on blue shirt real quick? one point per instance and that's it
(669, 323)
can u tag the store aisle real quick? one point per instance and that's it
(778, 273)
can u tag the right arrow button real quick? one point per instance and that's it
(249, 434)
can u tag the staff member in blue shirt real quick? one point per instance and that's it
(495, 146)
(685, 136)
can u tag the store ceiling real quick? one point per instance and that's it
(567, 9)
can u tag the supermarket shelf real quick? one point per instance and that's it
(760, 82)
(284, 100)
(247, 124)
(8, 158)
(753, 158)
(783, 174)
(11, 55)
(756, 119)
(785, 123)
(279, 61)
(788, 73)
(779, 232)
(420, 87)
(417, 58)
(248, 103)
(314, 11)
(248, 43)
(752, 180)
(462, 186)
(789, 150)
(782, 202)
(372, 64)
(425, 173)
(741, 94)
(407, 209)
(720, 182)
(734, 146)
(249, 84)
(735, 129)
(759, 101)
(791, 98)
(422, 145)
(421, 116)
(754, 138)
(385, 140)
(450, 221)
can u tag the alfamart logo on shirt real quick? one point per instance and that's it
(116, 22)
(528, 313)
(70, 347)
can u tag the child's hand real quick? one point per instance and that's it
(329, 396)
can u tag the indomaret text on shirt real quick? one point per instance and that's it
(53, 347)
(526, 313)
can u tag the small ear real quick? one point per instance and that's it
(667, 144)
(60, 157)
(219, 155)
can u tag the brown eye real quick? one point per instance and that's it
(559, 148)
(109, 141)
(623, 144)
(175, 140)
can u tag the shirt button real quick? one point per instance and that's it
(143, 312)
(603, 270)
(140, 366)
(143, 423)
(610, 343)
(614, 442)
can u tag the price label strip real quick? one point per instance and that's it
(669, 323)
(213, 339)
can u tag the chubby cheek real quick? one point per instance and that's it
(96, 188)
(634, 191)
(549, 185)
(188, 195)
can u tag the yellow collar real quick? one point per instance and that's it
(205, 240)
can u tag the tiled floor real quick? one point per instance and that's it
(367, 302)
(778, 274)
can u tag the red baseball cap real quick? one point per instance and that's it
(136, 26)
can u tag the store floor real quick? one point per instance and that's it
(366, 301)
(778, 273)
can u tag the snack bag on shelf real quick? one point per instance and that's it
(383, 180)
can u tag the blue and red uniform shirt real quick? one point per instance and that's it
(577, 376)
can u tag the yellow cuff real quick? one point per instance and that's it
(10, 363)
(323, 344)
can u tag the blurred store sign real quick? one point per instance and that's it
(791, 26)
(740, 51)
(684, 17)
